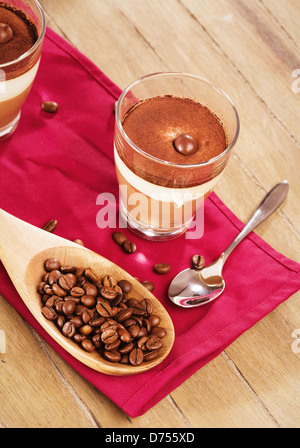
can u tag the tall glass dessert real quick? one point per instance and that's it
(174, 134)
(22, 29)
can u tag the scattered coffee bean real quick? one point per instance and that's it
(98, 315)
(162, 268)
(149, 285)
(50, 107)
(50, 226)
(198, 262)
(119, 238)
(77, 241)
(128, 246)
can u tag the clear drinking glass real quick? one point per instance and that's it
(17, 76)
(158, 198)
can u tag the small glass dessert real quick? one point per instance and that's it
(174, 134)
(22, 29)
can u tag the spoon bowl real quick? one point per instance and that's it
(23, 251)
(191, 287)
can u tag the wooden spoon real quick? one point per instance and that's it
(23, 251)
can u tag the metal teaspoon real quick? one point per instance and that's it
(192, 287)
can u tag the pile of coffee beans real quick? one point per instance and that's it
(99, 315)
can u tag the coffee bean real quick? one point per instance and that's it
(109, 280)
(58, 290)
(148, 356)
(129, 247)
(50, 106)
(51, 264)
(185, 144)
(136, 356)
(68, 307)
(134, 330)
(68, 329)
(86, 329)
(154, 343)
(125, 349)
(160, 332)
(142, 342)
(6, 33)
(88, 301)
(77, 292)
(97, 322)
(162, 268)
(148, 285)
(54, 276)
(147, 305)
(198, 262)
(87, 315)
(124, 315)
(103, 308)
(77, 321)
(119, 238)
(78, 241)
(49, 313)
(67, 282)
(87, 345)
(60, 321)
(50, 226)
(112, 356)
(79, 338)
(108, 292)
(113, 345)
(125, 285)
(90, 289)
(154, 320)
(91, 275)
(68, 269)
(124, 335)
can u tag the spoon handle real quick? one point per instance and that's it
(268, 205)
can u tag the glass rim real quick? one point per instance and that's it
(37, 42)
(157, 159)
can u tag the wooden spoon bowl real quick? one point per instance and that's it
(23, 251)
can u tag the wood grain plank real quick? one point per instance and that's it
(106, 413)
(259, 49)
(33, 393)
(285, 13)
(222, 398)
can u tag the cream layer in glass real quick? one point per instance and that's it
(157, 206)
(13, 93)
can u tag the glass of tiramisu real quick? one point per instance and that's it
(174, 134)
(22, 29)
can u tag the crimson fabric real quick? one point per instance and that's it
(55, 166)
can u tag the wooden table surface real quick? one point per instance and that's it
(251, 50)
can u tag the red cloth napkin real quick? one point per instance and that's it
(55, 166)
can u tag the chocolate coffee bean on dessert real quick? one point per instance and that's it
(99, 314)
(6, 33)
(185, 144)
